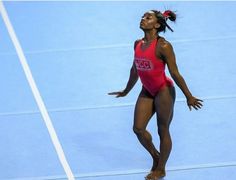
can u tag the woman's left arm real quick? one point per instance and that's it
(167, 52)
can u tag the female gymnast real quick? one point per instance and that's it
(151, 54)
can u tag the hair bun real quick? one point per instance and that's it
(169, 15)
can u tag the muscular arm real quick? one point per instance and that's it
(167, 52)
(133, 78)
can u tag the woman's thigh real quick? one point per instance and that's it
(144, 110)
(164, 105)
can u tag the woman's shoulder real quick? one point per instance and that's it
(163, 43)
(136, 42)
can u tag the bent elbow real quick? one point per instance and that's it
(175, 75)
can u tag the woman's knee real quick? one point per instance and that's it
(138, 131)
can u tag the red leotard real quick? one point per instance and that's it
(151, 69)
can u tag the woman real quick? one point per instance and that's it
(152, 53)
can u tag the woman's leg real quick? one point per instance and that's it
(144, 110)
(164, 105)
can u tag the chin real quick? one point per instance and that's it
(141, 27)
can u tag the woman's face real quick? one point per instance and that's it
(149, 21)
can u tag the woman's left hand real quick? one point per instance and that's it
(194, 102)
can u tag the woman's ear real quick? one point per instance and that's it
(157, 25)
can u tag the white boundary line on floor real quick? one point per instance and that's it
(121, 45)
(36, 93)
(133, 172)
(52, 110)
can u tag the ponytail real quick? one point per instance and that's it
(162, 19)
(169, 15)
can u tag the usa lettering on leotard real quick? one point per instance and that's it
(143, 64)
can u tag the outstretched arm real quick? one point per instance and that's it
(168, 53)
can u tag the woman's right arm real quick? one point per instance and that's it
(133, 78)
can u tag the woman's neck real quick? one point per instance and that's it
(150, 36)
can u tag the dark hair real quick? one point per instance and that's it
(162, 18)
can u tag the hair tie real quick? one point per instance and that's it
(166, 14)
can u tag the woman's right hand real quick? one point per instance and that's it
(119, 93)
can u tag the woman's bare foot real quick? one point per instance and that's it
(155, 164)
(156, 175)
